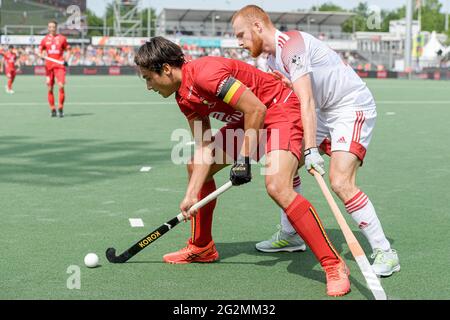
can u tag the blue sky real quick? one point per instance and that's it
(271, 5)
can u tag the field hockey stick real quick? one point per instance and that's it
(61, 62)
(373, 283)
(156, 234)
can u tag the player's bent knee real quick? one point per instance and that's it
(277, 191)
(341, 186)
(272, 189)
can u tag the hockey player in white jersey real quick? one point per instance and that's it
(338, 115)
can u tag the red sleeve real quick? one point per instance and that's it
(65, 45)
(186, 110)
(214, 78)
(189, 113)
(42, 45)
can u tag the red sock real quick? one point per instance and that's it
(51, 100)
(201, 224)
(306, 222)
(10, 82)
(61, 98)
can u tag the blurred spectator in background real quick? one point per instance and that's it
(90, 55)
(87, 56)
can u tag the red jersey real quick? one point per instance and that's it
(211, 86)
(55, 47)
(10, 60)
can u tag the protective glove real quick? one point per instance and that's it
(240, 172)
(313, 160)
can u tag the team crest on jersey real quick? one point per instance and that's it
(298, 61)
(206, 102)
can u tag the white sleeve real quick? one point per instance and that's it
(295, 57)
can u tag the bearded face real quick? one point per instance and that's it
(247, 36)
(257, 45)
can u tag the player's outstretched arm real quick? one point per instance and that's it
(254, 113)
(202, 161)
(303, 89)
(42, 51)
(67, 56)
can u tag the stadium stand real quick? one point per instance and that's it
(83, 56)
(190, 22)
(204, 32)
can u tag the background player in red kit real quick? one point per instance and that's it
(9, 61)
(247, 100)
(54, 45)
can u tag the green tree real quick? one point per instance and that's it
(432, 19)
(94, 21)
(152, 21)
(143, 13)
(396, 14)
(329, 6)
(359, 21)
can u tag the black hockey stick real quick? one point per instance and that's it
(150, 238)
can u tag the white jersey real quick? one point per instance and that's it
(335, 84)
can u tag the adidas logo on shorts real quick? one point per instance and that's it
(341, 140)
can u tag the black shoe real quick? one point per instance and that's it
(53, 113)
(61, 113)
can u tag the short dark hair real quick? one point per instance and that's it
(53, 21)
(10, 46)
(155, 53)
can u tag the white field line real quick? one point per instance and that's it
(143, 103)
(117, 103)
(87, 86)
(112, 103)
(424, 102)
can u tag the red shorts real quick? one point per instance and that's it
(58, 73)
(283, 131)
(10, 73)
(325, 146)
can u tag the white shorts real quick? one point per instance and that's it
(346, 130)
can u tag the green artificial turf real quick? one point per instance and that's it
(68, 187)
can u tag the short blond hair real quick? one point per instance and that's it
(253, 12)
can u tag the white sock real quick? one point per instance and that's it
(286, 226)
(363, 212)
